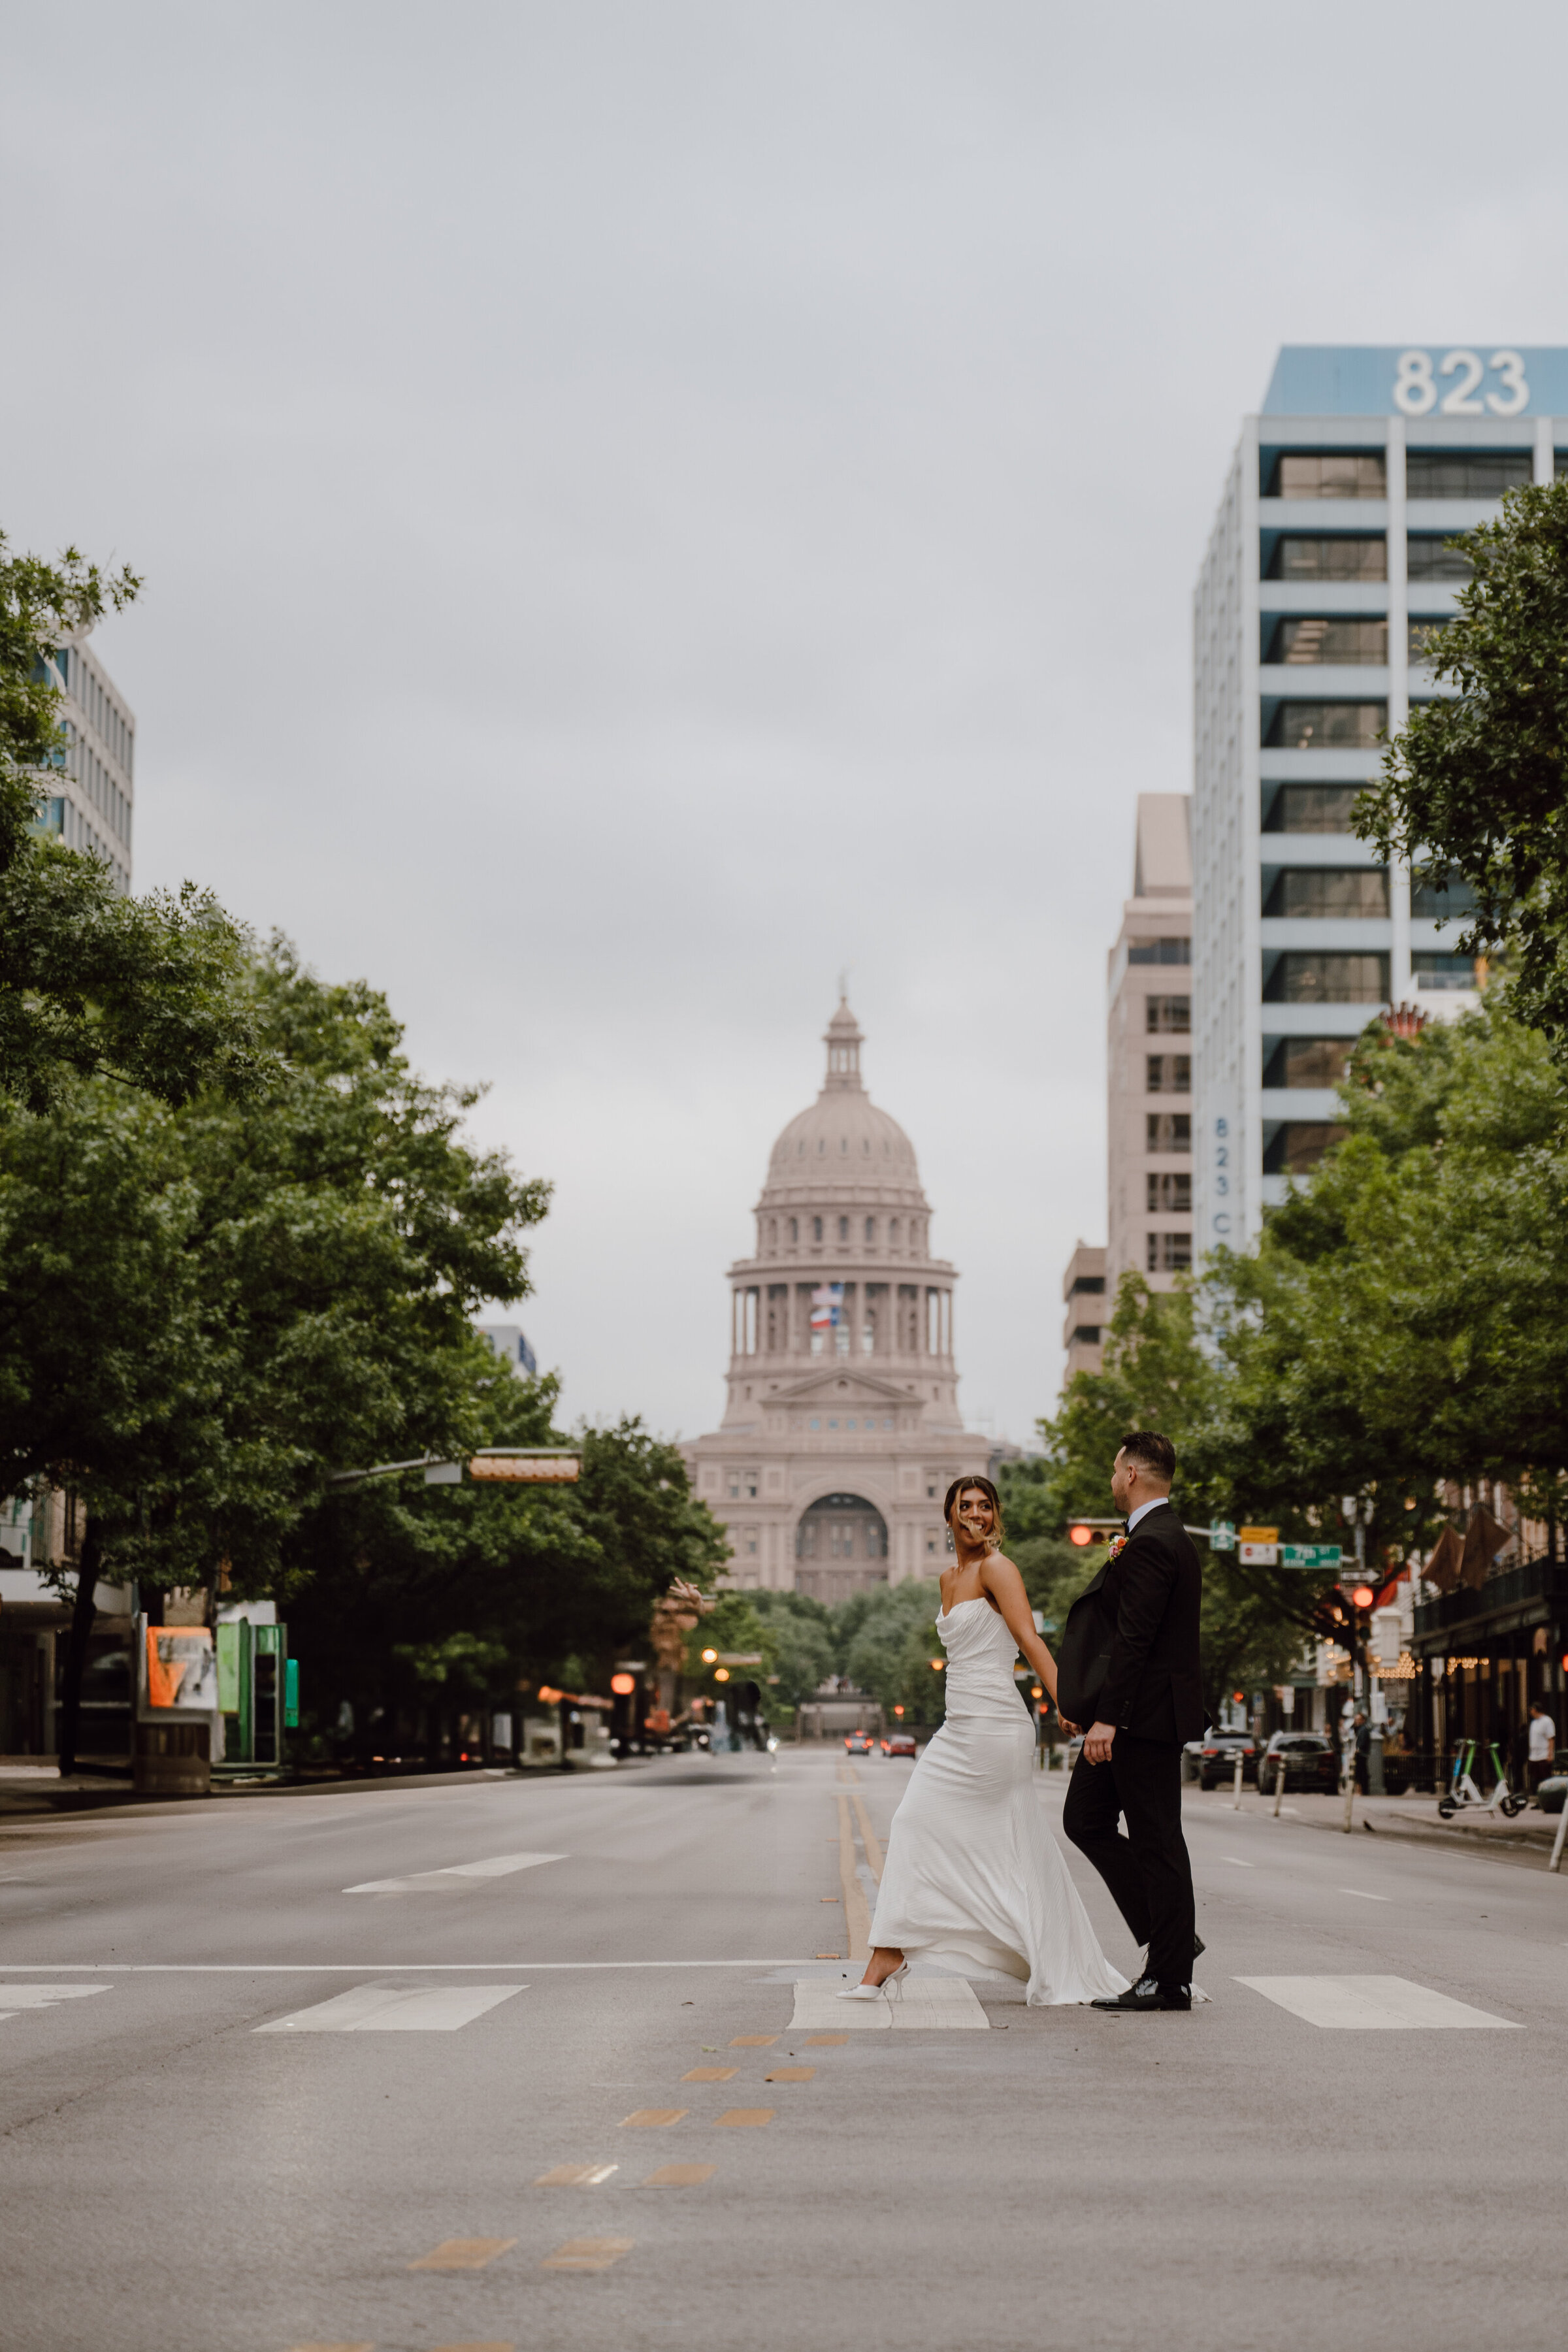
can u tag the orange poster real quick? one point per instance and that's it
(181, 1671)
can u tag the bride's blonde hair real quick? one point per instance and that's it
(960, 1486)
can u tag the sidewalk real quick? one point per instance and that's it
(1413, 1817)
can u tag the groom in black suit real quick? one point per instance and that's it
(1129, 1668)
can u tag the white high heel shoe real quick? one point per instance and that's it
(877, 1992)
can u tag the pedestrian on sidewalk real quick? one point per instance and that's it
(1542, 1745)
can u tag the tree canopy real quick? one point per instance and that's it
(1476, 784)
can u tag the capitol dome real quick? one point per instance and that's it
(843, 1145)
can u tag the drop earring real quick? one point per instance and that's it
(949, 1539)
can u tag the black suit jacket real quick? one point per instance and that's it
(1129, 1647)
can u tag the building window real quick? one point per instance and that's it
(1085, 1335)
(1169, 1253)
(773, 1232)
(892, 1233)
(870, 1229)
(813, 1425)
(843, 1229)
(1311, 808)
(1316, 978)
(1160, 951)
(1428, 557)
(794, 1229)
(816, 1229)
(1328, 891)
(1087, 1285)
(1341, 558)
(1437, 894)
(1170, 1196)
(1320, 726)
(1465, 473)
(1168, 1016)
(1168, 1074)
(1307, 1060)
(1168, 1131)
(1297, 1144)
(1431, 970)
(1362, 644)
(1327, 474)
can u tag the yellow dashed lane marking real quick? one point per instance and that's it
(869, 1838)
(791, 2075)
(462, 2255)
(829, 1956)
(576, 2176)
(753, 2040)
(587, 2253)
(680, 2176)
(710, 2074)
(847, 1776)
(331, 2347)
(650, 2116)
(827, 2041)
(740, 2115)
(475, 2347)
(856, 1916)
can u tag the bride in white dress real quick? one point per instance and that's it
(973, 1873)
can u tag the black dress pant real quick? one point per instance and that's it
(1147, 1871)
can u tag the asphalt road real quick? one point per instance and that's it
(246, 2106)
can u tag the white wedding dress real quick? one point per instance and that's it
(973, 1873)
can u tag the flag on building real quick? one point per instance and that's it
(827, 1306)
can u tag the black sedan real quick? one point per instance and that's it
(1217, 1757)
(1306, 1759)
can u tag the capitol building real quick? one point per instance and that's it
(841, 1434)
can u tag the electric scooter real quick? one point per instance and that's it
(1463, 1796)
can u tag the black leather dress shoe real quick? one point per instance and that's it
(1148, 1995)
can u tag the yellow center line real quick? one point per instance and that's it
(463, 2254)
(869, 1838)
(680, 2176)
(746, 2116)
(651, 2116)
(857, 1912)
(710, 2074)
(587, 2253)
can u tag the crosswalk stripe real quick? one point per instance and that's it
(395, 2009)
(1370, 2005)
(423, 1882)
(923, 2004)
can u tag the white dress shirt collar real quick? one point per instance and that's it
(1143, 1510)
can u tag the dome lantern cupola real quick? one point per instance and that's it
(844, 1041)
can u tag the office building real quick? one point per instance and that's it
(842, 1432)
(1325, 573)
(91, 809)
(1083, 1292)
(1149, 1064)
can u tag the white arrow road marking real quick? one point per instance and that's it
(41, 1996)
(396, 2009)
(426, 1881)
(1370, 2005)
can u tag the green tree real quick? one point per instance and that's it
(887, 1640)
(143, 989)
(1478, 782)
(803, 1654)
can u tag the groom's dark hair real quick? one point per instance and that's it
(1155, 1453)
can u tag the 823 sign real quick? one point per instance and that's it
(1416, 386)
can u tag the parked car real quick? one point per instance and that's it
(899, 1743)
(1305, 1759)
(859, 1743)
(1217, 1757)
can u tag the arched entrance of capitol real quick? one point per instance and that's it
(840, 1547)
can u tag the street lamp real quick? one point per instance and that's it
(1360, 1510)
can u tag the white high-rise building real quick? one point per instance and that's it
(92, 809)
(1324, 571)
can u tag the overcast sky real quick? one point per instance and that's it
(645, 505)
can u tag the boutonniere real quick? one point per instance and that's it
(1116, 1544)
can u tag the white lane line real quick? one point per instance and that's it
(44, 1996)
(1363, 1895)
(396, 2009)
(1237, 1861)
(1370, 2005)
(499, 1865)
(356, 1968)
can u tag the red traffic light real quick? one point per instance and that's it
(623, 1684)
(1080, 1534)
(1364, 1596)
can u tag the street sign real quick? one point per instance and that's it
(1222, 1536)
(1293, 1555)
(525, 1469)
(1258, 1555)
(1259, 1535)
